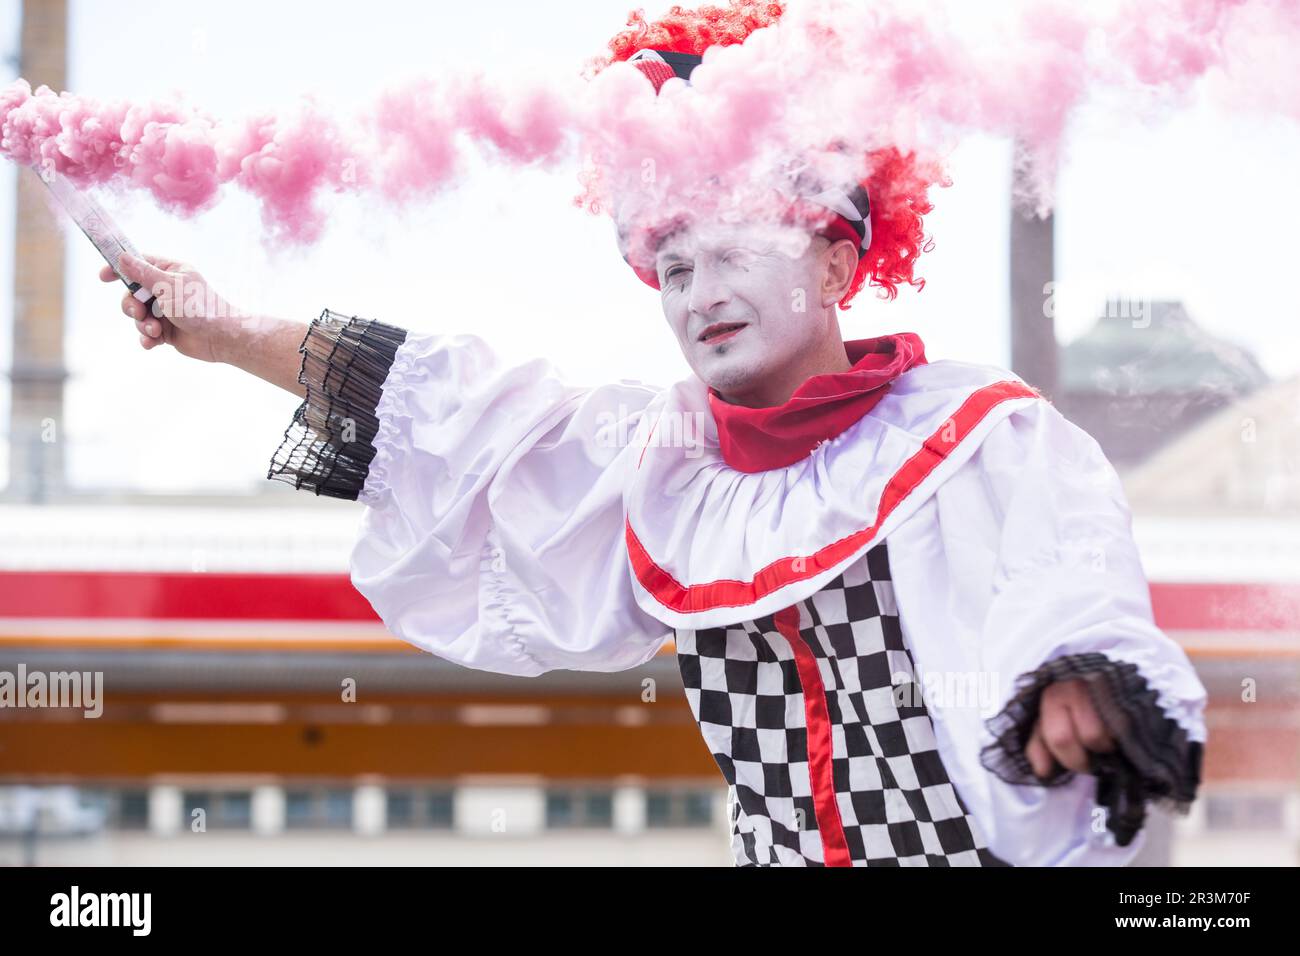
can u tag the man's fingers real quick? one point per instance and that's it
(150, 327)
(1059, 732)
(153, 332)
(147, 273)
(1036, 752)
(1068, 726)
(165, 263)
(133, 307)
(107, 274)
(1089, 727)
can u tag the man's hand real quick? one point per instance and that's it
(192, 318)
(187, 314)
(1068, 726)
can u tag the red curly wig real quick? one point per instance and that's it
(898, 183)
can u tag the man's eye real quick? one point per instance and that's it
(675, 271)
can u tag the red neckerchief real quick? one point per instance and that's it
(759, 439)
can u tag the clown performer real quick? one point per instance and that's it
(910, 618)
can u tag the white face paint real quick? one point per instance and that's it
(765, 280)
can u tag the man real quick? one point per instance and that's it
(907, 608)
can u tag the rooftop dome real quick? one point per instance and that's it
(1162, 351)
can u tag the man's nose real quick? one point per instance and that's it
(709, 289)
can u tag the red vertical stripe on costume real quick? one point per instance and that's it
(821, 773)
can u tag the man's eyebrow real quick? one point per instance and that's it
(667, 238)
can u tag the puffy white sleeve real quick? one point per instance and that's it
(1031, 539)
(493, 529)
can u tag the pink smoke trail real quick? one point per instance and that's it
(404, 148)
(863, 75)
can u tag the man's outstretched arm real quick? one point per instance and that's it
(199, 323)
(337, 365)
(493, 534)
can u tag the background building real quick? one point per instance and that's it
(1145, 373)
(245, 678)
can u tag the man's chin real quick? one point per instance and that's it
(730, 373)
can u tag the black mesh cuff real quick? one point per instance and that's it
(328, 446)
(1153, 760)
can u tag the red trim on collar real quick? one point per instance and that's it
(693, 598)
(760, 439)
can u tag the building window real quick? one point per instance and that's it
(323, 808)
(120, 809)
(678, 808)
(1245, 811)
(222, 809)
(416, 808)
(579, 808)
(132, 810)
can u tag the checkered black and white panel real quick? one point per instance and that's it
(896, 803)
(744, 690)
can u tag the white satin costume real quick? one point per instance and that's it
(863, 635)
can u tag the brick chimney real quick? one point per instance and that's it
(36, 421)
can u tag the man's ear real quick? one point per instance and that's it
(840, 262)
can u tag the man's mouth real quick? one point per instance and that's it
(721, 330)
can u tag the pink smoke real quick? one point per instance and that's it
(864, 75)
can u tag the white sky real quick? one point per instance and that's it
(1200, 209)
